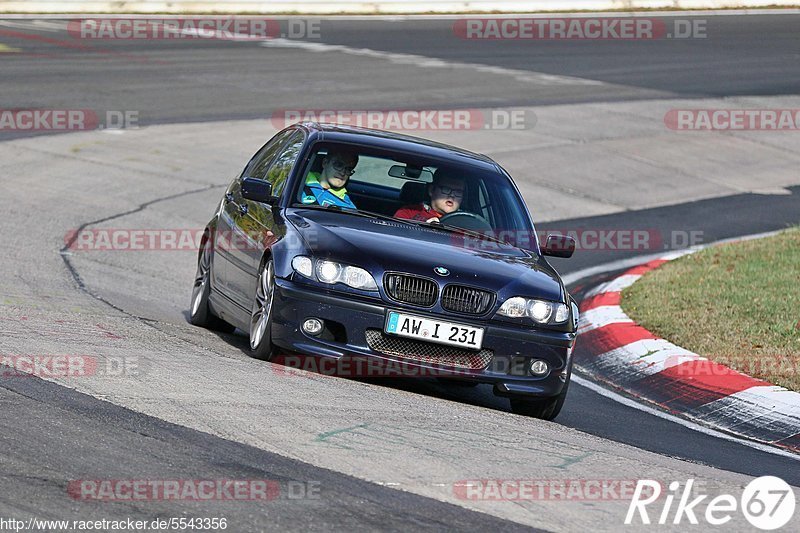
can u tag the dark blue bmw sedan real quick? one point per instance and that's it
(342, 243)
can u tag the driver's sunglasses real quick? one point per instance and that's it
(339, 166)
(447, 191)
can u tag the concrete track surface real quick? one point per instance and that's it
(385, 455)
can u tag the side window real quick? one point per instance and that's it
(257, 168)
(284, 162)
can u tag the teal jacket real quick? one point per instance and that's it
(314, 193)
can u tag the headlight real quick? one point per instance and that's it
(352, 276)
(302, 265)
(328, 271)
(332, 272)
(540, 311)
(358, 278)
(514, 307)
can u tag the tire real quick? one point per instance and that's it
(261, 346)
(199, 311)
(544, 408)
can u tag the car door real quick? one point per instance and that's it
(255, 226)
(228, 259)
(221, 259)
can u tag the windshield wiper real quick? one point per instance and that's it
(457, 229)
(381, 216)
(357, 212)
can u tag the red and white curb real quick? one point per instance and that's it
(614, 349)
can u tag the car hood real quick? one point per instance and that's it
(384, 245)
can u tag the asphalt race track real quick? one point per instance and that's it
(360, 454)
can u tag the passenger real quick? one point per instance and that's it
(445, 193)
(327, 188)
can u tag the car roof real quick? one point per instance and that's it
(395, 141)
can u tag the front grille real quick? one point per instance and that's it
(411, 289)
(427, 352)
(463, 299)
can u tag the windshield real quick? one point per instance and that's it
(353, 179)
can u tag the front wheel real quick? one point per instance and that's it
(261, 317)
(544, 408)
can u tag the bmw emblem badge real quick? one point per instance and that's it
(442, 271)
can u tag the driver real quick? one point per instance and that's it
(445, 192)
(328, 187)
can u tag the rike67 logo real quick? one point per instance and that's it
(767, 502)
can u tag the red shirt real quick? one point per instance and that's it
(417, 212)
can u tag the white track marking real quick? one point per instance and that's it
(618, 284)
(751, 409)
(646, 357)
(35, 25)
(602, 391)
(602, 316)
(525, 76)
(670, 256)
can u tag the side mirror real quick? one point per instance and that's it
(257, 190)
(559, 246)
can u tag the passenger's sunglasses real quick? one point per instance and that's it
(339, 166)
(447, 191)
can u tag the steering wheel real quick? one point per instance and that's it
(466, 220)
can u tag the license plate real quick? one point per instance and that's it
(425, 329)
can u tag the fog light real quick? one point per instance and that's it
(539, 367)
(313, 326)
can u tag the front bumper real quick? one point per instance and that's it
(353, 319)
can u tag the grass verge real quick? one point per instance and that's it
(737, 304)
